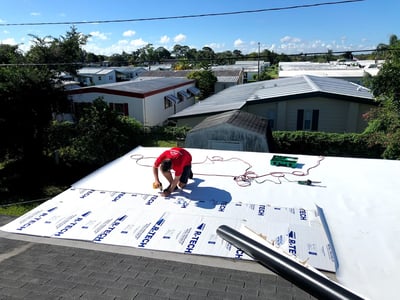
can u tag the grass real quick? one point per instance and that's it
(17, 210)
(167, 143)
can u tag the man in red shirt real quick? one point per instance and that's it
(177, 159)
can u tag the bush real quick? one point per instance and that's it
(328, 144)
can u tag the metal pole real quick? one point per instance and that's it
(313, 283)
(258, 65)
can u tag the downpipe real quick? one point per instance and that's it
(313, 283)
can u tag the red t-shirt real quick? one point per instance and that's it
(179, 157)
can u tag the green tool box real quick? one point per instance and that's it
(284, 161)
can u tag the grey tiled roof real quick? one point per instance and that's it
(43, 268)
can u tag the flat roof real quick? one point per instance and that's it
(358, 197)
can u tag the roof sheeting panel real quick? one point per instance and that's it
(228, 99)
(310, 84)
(235, 118)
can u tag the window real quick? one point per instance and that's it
(182, 95)
(99, 78)
(307, 119)
(120, 108)
(170, 100)
(167, 103)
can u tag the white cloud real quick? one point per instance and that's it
(123, 42)
(216, 47)
(138, 43)
(179, 38)
(9, 41)
(99, 35)
(164, 39)
(289, 39)
(129, 33)
(238, 43)
(35, 14)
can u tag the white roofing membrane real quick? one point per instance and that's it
(358, 198)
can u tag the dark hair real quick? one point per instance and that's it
(166, 165)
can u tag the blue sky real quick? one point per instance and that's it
(339, 27)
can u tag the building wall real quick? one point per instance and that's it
(334, 115)
(222, 137)
(150, 111)
(135, 105)
(99, 79)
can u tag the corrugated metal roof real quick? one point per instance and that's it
(236, 96)
(95, 71)
(228, 79)
(307, 84)
(228, 99)
(236, 118)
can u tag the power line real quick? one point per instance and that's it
(183, 16)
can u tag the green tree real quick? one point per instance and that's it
(60, 54)
(146, 55)
(28, 97)
(386, 85)
(10, 54)
(102, 135)
(162, 54)
(206, 56)
(180, 51)
(205, 81)
(384, 122)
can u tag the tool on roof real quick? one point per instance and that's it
(307, 182)
(157, 186)
(284, 161)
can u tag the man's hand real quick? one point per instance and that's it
(166, 193)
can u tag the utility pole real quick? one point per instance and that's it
(258, 72)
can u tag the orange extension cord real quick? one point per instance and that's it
(247, 177)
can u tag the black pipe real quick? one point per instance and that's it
(313, 283)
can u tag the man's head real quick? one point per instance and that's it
(166, 165)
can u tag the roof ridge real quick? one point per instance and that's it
(311, 83)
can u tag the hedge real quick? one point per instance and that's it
(327, 144)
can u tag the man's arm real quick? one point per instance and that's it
(171, 187)
(156, 178)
